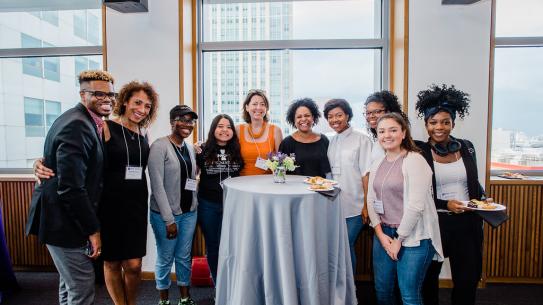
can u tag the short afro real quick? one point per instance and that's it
(303, 102)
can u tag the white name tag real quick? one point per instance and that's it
(261, 163)
(378, 207)
(133, 173)
(190, 185)
(447, 195)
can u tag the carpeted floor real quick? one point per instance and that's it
(41, 288)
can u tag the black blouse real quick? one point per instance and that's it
(312, 158)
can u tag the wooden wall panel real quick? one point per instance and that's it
(25, 252)
(512, 252)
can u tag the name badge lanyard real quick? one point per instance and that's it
(227, 171)
(190, 184)
(259, 161)
(443, 195)
(380, 201)
(132, 172)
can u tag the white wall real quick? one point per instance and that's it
(451, 44)
(145, 46)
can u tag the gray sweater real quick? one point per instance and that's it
(165, 175)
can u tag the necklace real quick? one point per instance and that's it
(131, 133)
(257, 135)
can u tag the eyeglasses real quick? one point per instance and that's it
(375, 112)
(185, 120)
(100, 95)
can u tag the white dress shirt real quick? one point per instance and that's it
(349, 154)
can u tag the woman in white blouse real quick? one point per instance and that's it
(349, 155)
(403, 214)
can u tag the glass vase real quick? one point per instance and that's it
(280, 174)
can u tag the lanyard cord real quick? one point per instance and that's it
(178, 151)
(258, 149)
(386, 176)
(457, 178)
(126, 143)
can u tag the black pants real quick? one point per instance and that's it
(462, 240)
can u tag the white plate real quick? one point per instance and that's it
(321, 190)
(332, 182)
(498, 206)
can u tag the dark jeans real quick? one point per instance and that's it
(462, 240)
(210, 220)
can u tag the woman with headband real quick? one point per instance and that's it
(455, 179)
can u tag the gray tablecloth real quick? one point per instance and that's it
(282, 244)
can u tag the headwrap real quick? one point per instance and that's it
(443, 106)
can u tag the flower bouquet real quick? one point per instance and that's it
(280, 163)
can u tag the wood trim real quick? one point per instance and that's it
(495, 181)
(399, 49)
(195, 64)
(181, 43)
(104, 38)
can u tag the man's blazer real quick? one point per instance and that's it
(63, 210)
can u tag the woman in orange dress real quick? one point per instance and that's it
(257, 137)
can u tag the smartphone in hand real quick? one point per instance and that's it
(89, 249)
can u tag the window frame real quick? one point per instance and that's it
(55, 52)
(513, 42)
(202, 46)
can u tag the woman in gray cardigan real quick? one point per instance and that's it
(172, 171)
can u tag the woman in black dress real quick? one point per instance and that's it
(123, 208)
(309, 147)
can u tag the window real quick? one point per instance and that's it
(39, 116)
(517, 136)
(40, 57)
(291, 49)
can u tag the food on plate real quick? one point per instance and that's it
(478, 204)
(318, 180)
(320, 187)
(512, 175)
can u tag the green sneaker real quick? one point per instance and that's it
(164, 302)
(188, 301)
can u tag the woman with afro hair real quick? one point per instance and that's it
(455, 180)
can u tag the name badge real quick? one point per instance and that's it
(133, 173)
(261, 163)
(447, 195)
(190, 185)
(378, 207)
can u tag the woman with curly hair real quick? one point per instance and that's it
(309, 147)
(455, 179)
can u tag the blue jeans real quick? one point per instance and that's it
(210, 220)
(170, 250)
(354, 227)
(410, 270)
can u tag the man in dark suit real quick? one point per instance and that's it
(63, 211)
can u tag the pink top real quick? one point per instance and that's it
(388, 187)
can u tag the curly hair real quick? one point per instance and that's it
(389, 101)
(90, 75)
(245, 115)
(442, 98)
(303, 102)
(128, 90)
(341, 103)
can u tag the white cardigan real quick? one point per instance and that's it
(419, 220)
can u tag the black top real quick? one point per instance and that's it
(312, 158)
(213, 173)
(63, 208)
(467, 151)
(186, 168)
(123, 208)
